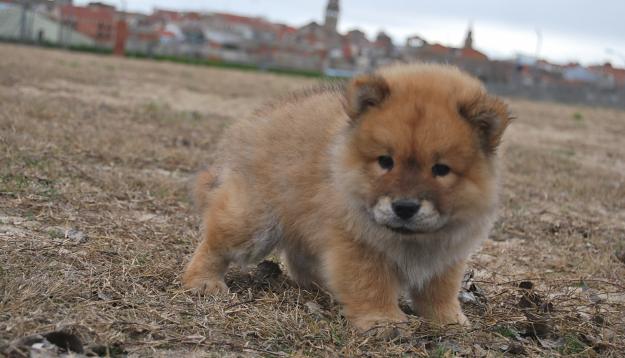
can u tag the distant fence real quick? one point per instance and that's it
(178, 59)
(48, 44)
(582, 95)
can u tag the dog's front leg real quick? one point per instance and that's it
(363, 281)
(437, 300)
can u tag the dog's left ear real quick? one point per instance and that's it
(363, 93)
(489, 117)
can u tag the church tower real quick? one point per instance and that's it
(468, 41)
(332, 17)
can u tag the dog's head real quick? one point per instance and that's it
(420, 149)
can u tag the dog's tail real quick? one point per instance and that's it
(202, 186)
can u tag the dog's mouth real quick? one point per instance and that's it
(422, 229)
(402, 230)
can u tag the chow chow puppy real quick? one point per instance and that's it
(377, 188)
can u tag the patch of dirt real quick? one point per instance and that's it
(96, 225)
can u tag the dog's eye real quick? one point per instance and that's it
(386, 162)
(440, 170)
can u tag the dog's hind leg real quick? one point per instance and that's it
(230, 227)
(301, 263)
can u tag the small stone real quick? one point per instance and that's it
(76, 236)
(315, 309)
(620, 255)
(467, 297)
(104, 296)
(595, 298)
(551, 343)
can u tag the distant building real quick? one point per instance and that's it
(323, 36)
(254, 40)
(163, 16)
(467, 52)
(357, 38)
(617, 75)
(331, 17)
(96, 20)
(38, 28)
(385, 44)
(419, 48)
(465, 57)
(41, 6)
(332, 38)
(468, 41)
(580, 74)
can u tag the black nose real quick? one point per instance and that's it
(405, 209)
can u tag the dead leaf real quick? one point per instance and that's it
(538, 326)
(268, 269)
(65, 340)
(527, 285)
(515, 348)
(530, 300)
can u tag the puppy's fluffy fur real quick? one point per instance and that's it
(378, 188)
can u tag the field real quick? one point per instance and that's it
(96, 226)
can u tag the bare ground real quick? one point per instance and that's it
(95, 224)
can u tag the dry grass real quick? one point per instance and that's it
(95, 225)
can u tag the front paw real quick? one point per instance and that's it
(388, 331)
(386, 328)
(451, 316)
(205, 286)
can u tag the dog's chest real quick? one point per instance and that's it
(418, 262)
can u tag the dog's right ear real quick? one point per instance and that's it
(364, 92)
(489, 116)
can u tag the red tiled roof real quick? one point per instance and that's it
(169, 15)
(288, 29)
(87, 13)
(472, 54)
(165, 33)
(284, 30)
(464, 53)
(439, 49)
(246, 20)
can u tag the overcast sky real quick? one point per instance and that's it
(571, 30)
